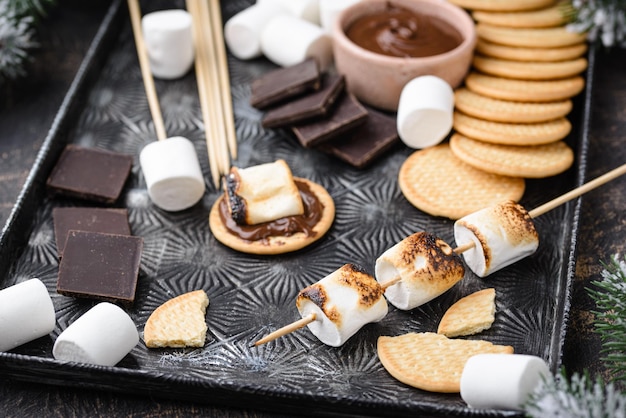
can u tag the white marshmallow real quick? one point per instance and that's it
(425, 111)
(330, 10)
(288, 40)
(26, 313)
(242, 32)
(172, 172)
(502, 381)
(426, 265)
(308, 10)
(169, 41)
(502, 234)
(343, 302)
(104, 335)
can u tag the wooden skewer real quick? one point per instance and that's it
(222, 67)
(548, 206)
(210, 125)
(287, 329)
(144, 63)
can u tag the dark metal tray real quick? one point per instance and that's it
(249, 295)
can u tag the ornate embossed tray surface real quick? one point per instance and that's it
(249, 295)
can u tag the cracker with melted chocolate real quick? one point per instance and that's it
(282, 235)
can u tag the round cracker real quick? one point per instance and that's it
(496, 110)
(502, 5)
(533, 38)
(530, 70)
(536, 161)
(516, 53)
(547, 17)
(277, 244)
(430, 361)
(524, 90)
(438, 183)
(512, 133)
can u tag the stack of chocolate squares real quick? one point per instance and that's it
(322, 113)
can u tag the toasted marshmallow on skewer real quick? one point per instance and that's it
(242, 32)
(288, 40)
(424, 267)
(262, 193)
(104, 335)
(501, 381)
(26, 313)
(501, 234)
(342, 302)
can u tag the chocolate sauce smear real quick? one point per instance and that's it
(284, 227)
(400, 32)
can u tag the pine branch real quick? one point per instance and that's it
(603, 20)
(577, 398)
(18, 19)
(610, 318)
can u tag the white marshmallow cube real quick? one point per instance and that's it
(330, 10)
(172, 172)
(26, 313)
(308, 10)
(288, 40)
(169, 42)
(103, 335)
(501, 381)
(425, 111)
(502, 234)
(242, 32)
(343, 302)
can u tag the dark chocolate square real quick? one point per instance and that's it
(90, 174)
(345, 115)
(100, 266)
(306, 107)
(105, 220)
(285, 83)
(364, 144)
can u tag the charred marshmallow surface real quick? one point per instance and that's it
(427, 267)
(343, 302)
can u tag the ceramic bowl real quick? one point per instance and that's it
(377, 79)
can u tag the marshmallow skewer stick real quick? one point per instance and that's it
(572, 194)
(306, 320)
(144, 64)
(201, 62)
(224, 78)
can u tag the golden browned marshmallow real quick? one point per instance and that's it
(426, 265)
(502, 234)
(342, 302)
(262, 193)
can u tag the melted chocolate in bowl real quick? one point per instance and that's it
(399, 32)
(286, 226)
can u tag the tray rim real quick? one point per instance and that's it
(56, 373)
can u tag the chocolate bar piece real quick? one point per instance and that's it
(90, 174)
(285, 83)
(106, 220)
(306, 107)
(100, 266)
(365, 143)
(346, 114)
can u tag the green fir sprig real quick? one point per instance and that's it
(610, 318)
(603, 20)
(580, 397)
(18, 20)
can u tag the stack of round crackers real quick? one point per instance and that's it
(511, 114)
